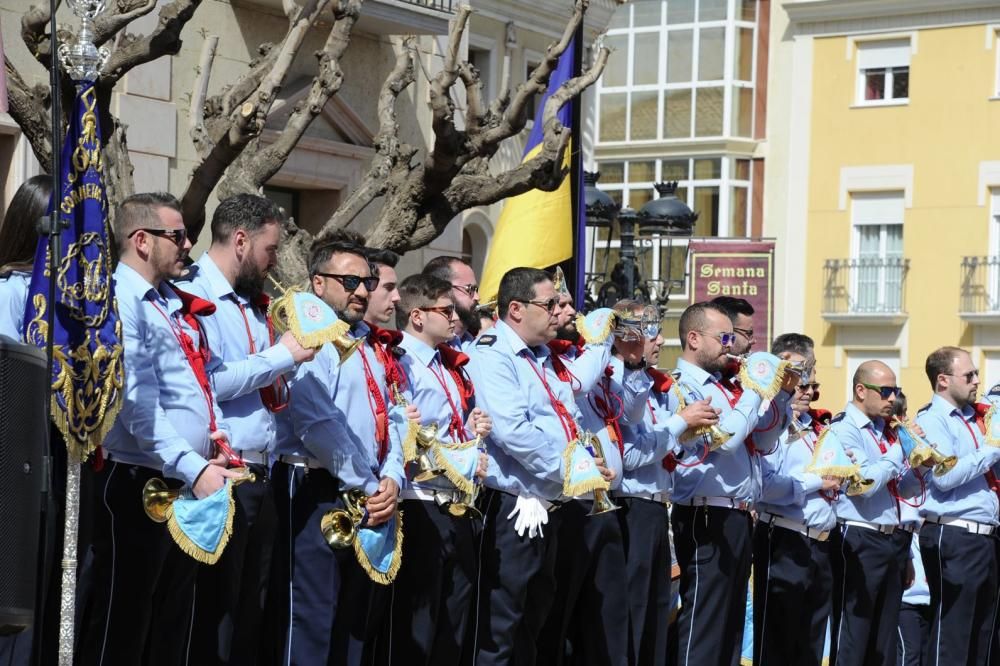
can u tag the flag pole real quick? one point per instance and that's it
(579, 258)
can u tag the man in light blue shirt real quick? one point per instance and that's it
(247, 370)
(433, 592)
(958, 538)
(793, 577)
(868, 545)
(168, 427)
(534, 418)
(339, 413)
(714, 492)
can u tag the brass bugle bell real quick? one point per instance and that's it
(427, 469)
(602, 501)
(712, 435)
(340, 526)
(857, 484)
(942, 463)
(156, 497)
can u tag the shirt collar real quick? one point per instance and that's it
(218, 285)
(418, 349)
(858, 417)
(942, 406)
(360, 330)
(700, 375)
(130, 284)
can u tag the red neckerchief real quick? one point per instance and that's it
(981, 410)
(730, 379)
(385, 344)
(558, 349)
(661, 384)
(193, 307)
(889, 435)
(454, 362)
(274, 396)
(609, 407)
(820, 419)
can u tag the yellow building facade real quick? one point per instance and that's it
(886, 196)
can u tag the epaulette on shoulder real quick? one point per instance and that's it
(838, 418)
(924, 408)
(189, 274)
(398, 352)
(486, 340)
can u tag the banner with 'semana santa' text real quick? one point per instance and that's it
(737, 268)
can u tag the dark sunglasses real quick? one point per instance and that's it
(549, 305)
(352, 282)
(884, 391)
(809, 386)
(447, 310)
(968, 375)
(175, 236)
(746, 333)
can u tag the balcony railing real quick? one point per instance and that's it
(440, 5)
(870, 288)
(980, 286)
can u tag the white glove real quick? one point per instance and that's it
(521, 511)
(540, 516)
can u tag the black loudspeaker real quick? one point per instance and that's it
(23, 444)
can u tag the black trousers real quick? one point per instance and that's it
(516, 585)
(139, 611)
(323, 605)
(646, 537)
(868, 590)
(913, 633)
(588, 623)
(962, 575)
(230, 595)
(432, 595)
(792, 582)
(713, 547)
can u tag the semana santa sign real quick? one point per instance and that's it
(738, 268)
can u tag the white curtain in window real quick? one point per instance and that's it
(884, 54)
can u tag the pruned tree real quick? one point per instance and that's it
(421, 188)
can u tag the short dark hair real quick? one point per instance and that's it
(18, 235)
(940, 362)
(899, 406)
(248, 212)
(796, 343)
(139, 210)
(518, 284)
(379, 255)
(440, 267)
(732, 306)
(336, 242)
(419, 291)
(693, 318)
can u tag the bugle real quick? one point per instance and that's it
(340, 526)
(602, 501)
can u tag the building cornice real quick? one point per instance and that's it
(547, 17)
(831, 17)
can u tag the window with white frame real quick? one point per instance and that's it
(877, 256)
(680, 69)
(883, 72)
(992, 276)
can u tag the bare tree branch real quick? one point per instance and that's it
(515, 117)
(447, 139)
(33, 34)
(29, 107)
(164, 40)
(254, 167)
(196, 119)
(108, 24)
(245, 123)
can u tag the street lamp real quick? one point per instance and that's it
(667, 217)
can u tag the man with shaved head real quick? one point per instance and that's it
(868, 571)
(958, 540)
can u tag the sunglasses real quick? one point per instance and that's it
(469, 289)
(175, 236)
(447, 310)
(549, 305)
(884, 391)
(725, 339)
(968, 375)
(746, 333)
(352, 282)
(809, 386)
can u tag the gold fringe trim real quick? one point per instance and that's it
(988, 422)
(450, 473)
(581, 487)
(842, 471)
(766, 392)
(594, 337)
(397, 557)
(283, 316)
(410, 441)
(193, 549)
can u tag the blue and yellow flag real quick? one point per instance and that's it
(535, 229)
(87, 372)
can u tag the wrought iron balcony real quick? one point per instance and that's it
(407, 17)
(980, 288)
(440, 5)
(865, 291)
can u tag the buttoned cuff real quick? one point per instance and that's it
(279, 358)
(807, 482)
(676, 425)
(188, 468)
